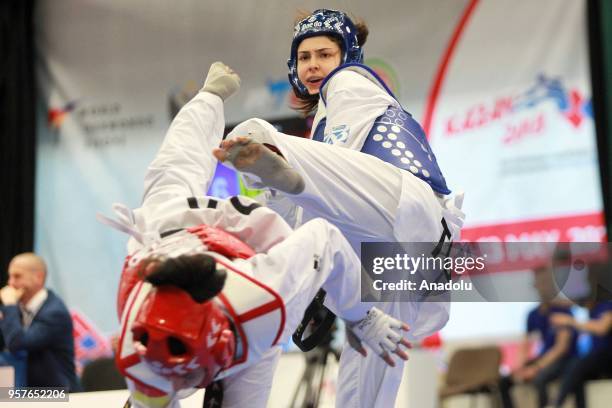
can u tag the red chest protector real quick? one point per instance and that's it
(221, 242)
(211, 239)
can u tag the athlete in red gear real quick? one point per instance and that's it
(212, 287)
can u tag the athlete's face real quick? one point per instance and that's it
(317, 57)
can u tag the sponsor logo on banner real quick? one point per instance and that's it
(180, 95)
(573, 228)
(102, 123)
(524, 114)
(56, 116)
(386, 72)
(89, 343)
(280, 90)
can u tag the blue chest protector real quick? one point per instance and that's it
(397, 139)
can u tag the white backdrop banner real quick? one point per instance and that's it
(512, 122)
(501, 86)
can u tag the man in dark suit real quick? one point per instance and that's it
(35, 320)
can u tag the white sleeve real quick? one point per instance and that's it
(353, 102)
(342, 185)
(184, 165)
(315, 256)
(258, 226)
(178, 177)
(251, 386)
(282, 205)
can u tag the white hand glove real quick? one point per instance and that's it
(221, 81)
(382, 333)
(453, 215)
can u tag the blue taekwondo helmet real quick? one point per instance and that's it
(324, 22)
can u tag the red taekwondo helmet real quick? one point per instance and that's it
(180, 328)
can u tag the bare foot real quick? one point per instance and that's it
(254, 158)
(241, 151)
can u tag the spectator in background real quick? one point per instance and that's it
(558, 343)
(598, 361)
(35, 320)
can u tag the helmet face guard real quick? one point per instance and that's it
(176, 336)
(324, 22)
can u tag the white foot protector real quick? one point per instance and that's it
(257, 129)
(252, 157)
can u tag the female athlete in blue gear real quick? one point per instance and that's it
(374, 176)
